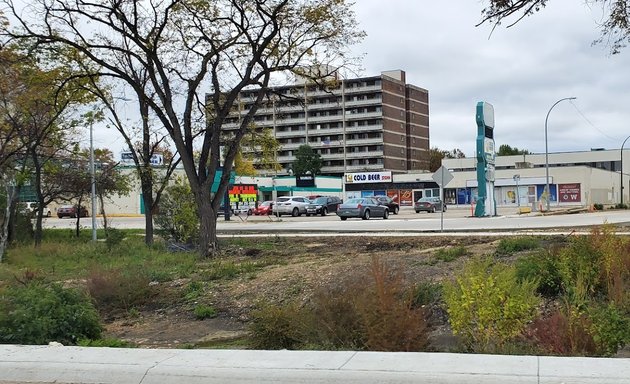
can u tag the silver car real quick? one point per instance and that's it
(290, 205)
(364, 207)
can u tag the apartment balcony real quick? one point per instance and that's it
(332, 156)
(371, 88)
(290, 120)
(364, 167)
(324, 106)
(365, 102)
(333, 169)
(301, 133)
(365, 128)
(285, 159)
(369, 141)
(331, 144)
(363, 115)
(291, 146)
(324, 119)
(325, 131)
(363, 155)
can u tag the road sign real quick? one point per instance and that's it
(442, 176)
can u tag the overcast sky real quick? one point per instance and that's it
(522, 71)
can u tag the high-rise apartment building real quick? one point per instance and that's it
(377, 123)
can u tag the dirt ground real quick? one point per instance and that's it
(299, 265)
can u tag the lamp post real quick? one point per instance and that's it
(93, 181)
(621, 170)
(547, 190)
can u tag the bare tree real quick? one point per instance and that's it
(615, 29)
(189, 48)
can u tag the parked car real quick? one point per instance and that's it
(429, 204)
(290, 205)
(30, 207)
(391, 204)
(364, 208)
(264, 208)
(243, 209)
(71, 211)
(322, 205)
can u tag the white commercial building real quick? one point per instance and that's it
(575, 179)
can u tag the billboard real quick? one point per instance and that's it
(243, 193)
(570, 193)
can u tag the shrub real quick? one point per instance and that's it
(375, 313)
(278, 327)
(113, 237)
(610, 328)
(204, 312)
(109, 343)
(512, 245)
(427, 294)
(598, 207)
(564, 332)
(543, 268)
(487, 306)
(38, 314)
(451, 253)
(621, 206)
(178, 220)
(117, 289)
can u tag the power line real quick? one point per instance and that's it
(590, 123)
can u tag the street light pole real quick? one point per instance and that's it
(93, 182)
(547, 190)
(621, 170)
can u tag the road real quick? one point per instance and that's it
(407, 221)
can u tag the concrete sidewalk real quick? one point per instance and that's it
(50, 364)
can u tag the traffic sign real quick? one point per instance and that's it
(442, 176)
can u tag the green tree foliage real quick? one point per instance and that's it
(185, 46)
(436, 155)
(506, 150)
(177, 219)
(307, 161)
(38, 314)
(488, 306)
(615, 24)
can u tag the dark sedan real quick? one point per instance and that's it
(391, 204)
(322, 205)
(364, 208)
(429, 204)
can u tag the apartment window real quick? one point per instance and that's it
(402, 163)
(402, 138)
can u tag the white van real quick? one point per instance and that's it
(31, 207)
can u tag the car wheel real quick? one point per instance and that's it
(59, 216)
(343, 218)
(417, 211)
(445, 208)
(366, 215)
(386, 214)
(324, 211)
(396, 209)
(295, 212)
(308, 215)
(432, 210)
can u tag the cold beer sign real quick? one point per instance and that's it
(368, 177)
(569, 193)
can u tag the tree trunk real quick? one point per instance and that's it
(12, 206)
(4, 235)
(38, 225)
(147, 197)
(102, 206)
(208, 245)
(78, 214)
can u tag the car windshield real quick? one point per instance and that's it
(283, 199)
(265, 204)
(429, 200)
(319, 200)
